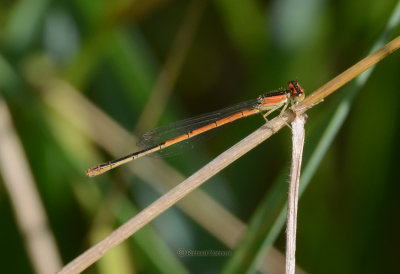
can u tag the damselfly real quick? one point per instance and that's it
(163, 137)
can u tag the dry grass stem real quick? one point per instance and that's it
(298, 134)
(29, 211)
(222, 161)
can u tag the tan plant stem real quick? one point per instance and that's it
(298, 134)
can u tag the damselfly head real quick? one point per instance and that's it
(296, 92)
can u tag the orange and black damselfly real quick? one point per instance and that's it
(160, 138)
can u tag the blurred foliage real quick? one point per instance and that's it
(113, 53)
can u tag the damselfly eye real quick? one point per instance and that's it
(296, 91)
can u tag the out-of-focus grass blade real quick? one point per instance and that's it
(133, 64)
(23, 23)
(269, 218)
(88, 59)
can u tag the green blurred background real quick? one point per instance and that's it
(78, 77)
